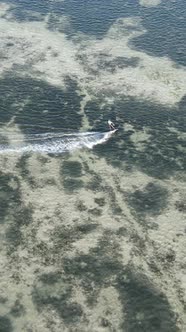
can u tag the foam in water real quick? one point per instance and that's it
(56, 143)
(149, 3)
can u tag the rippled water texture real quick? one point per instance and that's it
(92, 222)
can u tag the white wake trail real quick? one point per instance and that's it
(56, 143)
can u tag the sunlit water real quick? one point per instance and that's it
(92, 221)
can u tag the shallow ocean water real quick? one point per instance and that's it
(92, 223)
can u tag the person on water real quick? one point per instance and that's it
(111, 125)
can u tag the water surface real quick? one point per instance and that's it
(92, 222)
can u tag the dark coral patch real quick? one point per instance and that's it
(147, 309)
(54, 290)
(70, 184)
(38, 106)
(5, 324)
(71, 169)
(152, 200)
(18, 309)
(9, 194)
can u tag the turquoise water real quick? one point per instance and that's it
(92, 223)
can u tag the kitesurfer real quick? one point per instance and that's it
(111, 125)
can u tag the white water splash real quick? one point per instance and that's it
(56, 143)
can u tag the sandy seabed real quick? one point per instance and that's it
(77, 256)
(87, 246)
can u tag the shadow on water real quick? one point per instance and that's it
(38, 106)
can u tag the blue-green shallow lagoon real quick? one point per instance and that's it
(92, 235)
